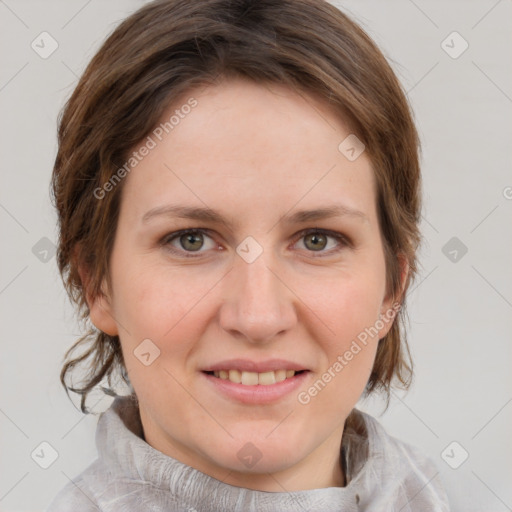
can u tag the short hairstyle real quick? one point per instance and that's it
(168, 48)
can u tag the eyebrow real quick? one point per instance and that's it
(207, 214)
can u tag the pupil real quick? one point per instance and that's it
(193, 239)
(315, 238)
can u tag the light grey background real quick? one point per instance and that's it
(460, 312)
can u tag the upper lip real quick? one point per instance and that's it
(246, 365)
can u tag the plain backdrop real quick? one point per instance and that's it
(460, 308)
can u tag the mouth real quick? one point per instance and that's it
(248, 382)
(254, 378)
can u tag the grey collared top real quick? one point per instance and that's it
(383, 474)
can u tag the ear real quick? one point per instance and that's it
(392, 304)
(100, 307)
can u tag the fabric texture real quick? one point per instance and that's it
(383, 474)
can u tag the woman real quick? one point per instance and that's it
(238, 192)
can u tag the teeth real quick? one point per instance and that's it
(249, 378)
(280, 375)
(253, 378)
(266, 378)
(235, 376)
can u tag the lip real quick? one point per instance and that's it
(258, 394)
(247, 365)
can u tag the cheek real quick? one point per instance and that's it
(348, 305)
(151, 301)
(155, 305)
(173, 309)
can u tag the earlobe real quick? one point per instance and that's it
(101, 315)
(100, 308)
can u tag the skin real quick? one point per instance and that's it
(253, 153)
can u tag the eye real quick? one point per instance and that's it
(317, 240)
(189, 241)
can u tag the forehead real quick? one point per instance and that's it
(249, 147)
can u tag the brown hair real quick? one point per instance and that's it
(169, 47)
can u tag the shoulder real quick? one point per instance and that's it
(390, 448)
(408, 474)
(74, 496)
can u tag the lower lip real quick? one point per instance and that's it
(258, 394)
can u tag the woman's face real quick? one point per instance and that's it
(283, 271)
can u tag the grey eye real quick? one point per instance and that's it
(315, 241)
(191, 241)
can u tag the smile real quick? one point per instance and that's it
(257, 383)
(254, 378)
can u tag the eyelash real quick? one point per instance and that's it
(167, 239)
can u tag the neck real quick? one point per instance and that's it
(322, 468)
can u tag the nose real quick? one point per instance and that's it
(258, 306)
